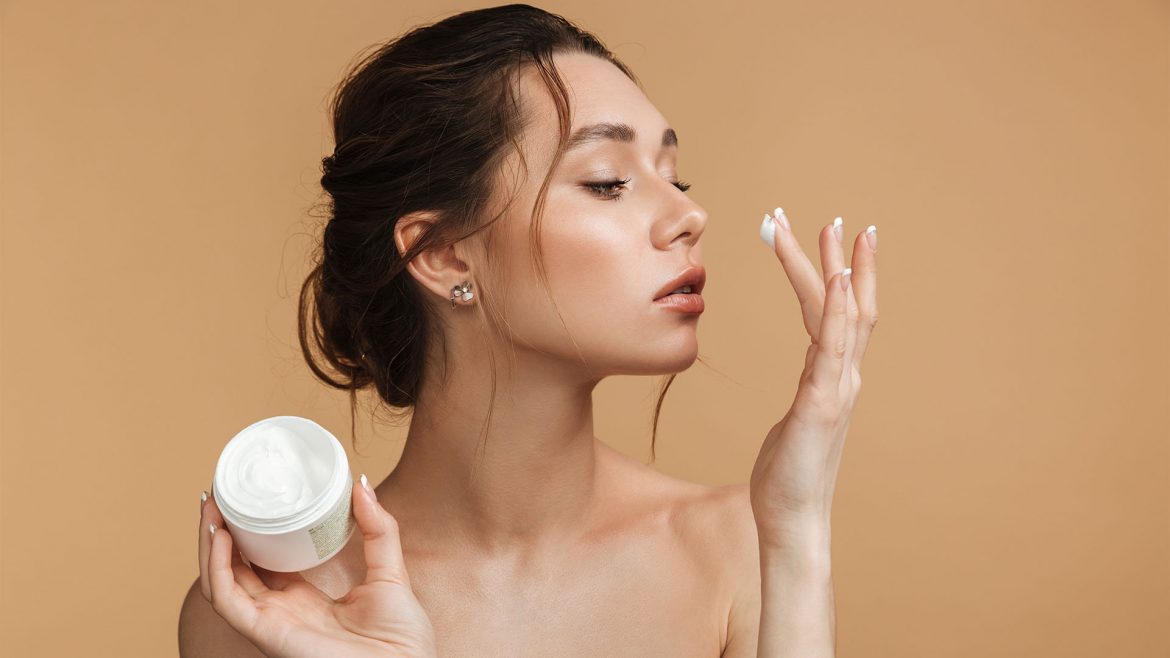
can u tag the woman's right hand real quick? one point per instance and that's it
(294, 619)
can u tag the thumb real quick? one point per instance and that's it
(383, 548)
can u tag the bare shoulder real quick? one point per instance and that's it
(202, 632)
(723, 514)
(716, 520)
(719, 524)
(725, 529)
(722, 528)
(715, 527)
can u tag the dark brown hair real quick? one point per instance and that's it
(423, 123)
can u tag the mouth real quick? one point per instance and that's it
(689, 282)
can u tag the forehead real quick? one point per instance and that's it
(597, 91)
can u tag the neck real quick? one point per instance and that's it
(530, 479)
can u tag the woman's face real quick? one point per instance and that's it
(608, 251)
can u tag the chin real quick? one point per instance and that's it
(662, 357)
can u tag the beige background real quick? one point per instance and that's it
(1005, 489)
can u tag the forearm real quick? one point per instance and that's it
(797, 616)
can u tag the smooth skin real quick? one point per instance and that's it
(544, 540)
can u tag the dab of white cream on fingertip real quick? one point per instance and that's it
(768, 232)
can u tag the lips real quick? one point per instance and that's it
(694, 276)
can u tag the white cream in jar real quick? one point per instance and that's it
(284, 489)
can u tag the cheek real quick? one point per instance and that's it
(596, 262)
(599, 263)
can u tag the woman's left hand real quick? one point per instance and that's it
(796, 472)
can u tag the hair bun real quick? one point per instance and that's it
(328, 169)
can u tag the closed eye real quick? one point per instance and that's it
(606, 189)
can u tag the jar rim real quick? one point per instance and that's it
(320, 504)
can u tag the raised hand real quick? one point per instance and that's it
(795, 474)
(294, 619)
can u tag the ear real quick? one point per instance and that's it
(437, 270)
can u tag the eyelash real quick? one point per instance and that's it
(600, 188)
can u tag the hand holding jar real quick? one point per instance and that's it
(289, 617)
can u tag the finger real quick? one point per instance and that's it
(210, 514)
(865, 289)
(204, 547)
(832, 256)
(269, 579)
(245, 577)
(806, 282)
(243, 572)
(380, 539)
(830, 354)
(850, 331)
(228, 598)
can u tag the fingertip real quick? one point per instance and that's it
(836, 297)
(364, 511)
(356, 492)
(214, 553)
(781, 218)
(363, 491)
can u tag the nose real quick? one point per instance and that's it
(684, 220)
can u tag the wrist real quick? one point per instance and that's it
(805, 549)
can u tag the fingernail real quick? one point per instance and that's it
(846, 274)
(782, 218)
(837, 227)
(366, 486)
(768, 232)
(211, 526)
(202, 500)
(871, 237)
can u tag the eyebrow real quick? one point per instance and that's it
(621, 132)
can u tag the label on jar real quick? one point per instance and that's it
(331, 533)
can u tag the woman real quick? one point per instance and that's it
(507, 527)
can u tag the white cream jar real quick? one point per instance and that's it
(283, 486)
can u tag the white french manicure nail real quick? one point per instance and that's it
(846, 274)
(837, 227)
(211, 526)
(782, 218)
(768, 232)
(366, 486)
